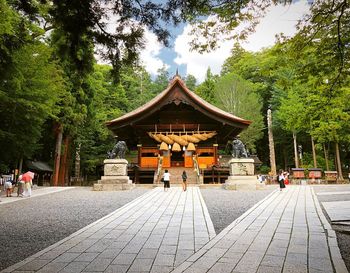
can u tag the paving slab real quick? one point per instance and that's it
(334, 193)
(338, 210)
(153, 233)
(285, 232)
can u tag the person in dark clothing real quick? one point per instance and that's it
(281, 179)
(184, 180)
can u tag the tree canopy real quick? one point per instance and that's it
(51, 84)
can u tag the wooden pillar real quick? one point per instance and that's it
(215, 146)
(139, 150)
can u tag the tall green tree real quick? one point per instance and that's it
(33, 85)
(239, 97)
(109, 102)
(206, 88)
(191, 82)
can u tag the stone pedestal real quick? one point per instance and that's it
(115, 176)
(242, 175)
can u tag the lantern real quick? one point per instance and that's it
(163, 147)
(191, 147)
(176, 147)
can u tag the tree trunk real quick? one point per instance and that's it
(64, 157)
(285, 157)
(326, 156)
(340, 173)
(57, 154)
(313, 152)
(20, 165)
(296, 158)
(77, 162)
(271, 143)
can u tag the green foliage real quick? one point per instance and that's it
(206, 88)
(264, 169)
(239, 97)
(28, 96)
(308, 162)
(162, 80)
(109, 102)
(191, 82)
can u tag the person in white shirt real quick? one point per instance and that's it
(281, 179)
(166, 178)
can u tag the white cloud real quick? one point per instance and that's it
(197, 64)
(149, 55)
(278, 19)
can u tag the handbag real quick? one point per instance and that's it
(162, 180)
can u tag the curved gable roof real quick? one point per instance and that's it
(187, 96)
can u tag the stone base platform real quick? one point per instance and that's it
(115, 176)
(113, 187)
(246, 182)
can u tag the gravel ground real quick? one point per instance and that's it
(343, 232)
(30, 225)
(225, 206)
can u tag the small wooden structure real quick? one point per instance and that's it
(298, 173)
(315, 173)
(331, 176)
(177, 128)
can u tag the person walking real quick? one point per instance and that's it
(281, 179)
(20, 186)
(27, 178)
(166, 178)
(184, 180)
(8, 188)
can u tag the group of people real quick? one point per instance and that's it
(282, 179)
(24, 187)
(166, 180)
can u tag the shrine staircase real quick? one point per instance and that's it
(176, 175)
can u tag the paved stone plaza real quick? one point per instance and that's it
(172, 232)
(155, 232)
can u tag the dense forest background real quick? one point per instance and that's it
(55, 97)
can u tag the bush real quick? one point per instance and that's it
(264, 169)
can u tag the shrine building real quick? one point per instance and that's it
(177, 130)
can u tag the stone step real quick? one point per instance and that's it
(176, 175)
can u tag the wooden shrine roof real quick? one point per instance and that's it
(175, 95)
(156, 101)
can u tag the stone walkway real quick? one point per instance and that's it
(154, 233)
(35, 193)
(172, 231)
(338, 211)
(285, 232)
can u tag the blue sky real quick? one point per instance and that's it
(279, 19)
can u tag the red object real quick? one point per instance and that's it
(286, 181)
(27, 177)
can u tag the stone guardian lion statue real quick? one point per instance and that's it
(238, 149)
(118, 150)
